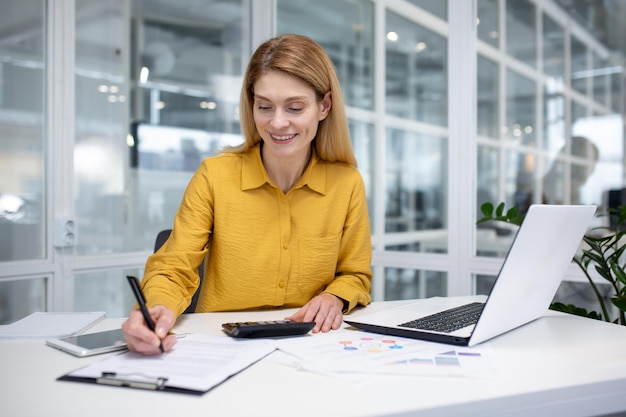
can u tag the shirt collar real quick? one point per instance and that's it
(253, 174)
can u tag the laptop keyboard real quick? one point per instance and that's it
(450, 320)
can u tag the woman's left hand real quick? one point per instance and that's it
(324, 309)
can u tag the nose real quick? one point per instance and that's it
(280, 119)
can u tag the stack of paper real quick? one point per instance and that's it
(51, 325)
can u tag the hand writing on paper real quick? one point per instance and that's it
(324, 309)
(141, 339)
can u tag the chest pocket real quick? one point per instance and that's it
(317, 263)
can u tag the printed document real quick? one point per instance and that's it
(351, 352)
(197, 363)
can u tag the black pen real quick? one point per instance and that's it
(141, 300)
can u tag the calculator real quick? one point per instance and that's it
(272, 328)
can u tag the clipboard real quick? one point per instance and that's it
(153, 384)
(197, 364)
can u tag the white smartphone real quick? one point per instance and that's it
(90, 344)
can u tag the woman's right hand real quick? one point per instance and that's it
(143, 340)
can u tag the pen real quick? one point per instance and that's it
(141, 300)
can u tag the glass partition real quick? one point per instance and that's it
(553, 50)
(22, 131)
(554, 127)
(488, 100)
(617, 89)
(521, 31)
(596, 159)
(488, 173)
(157, 89)
(578, 58)
(416, 156)
(521, 105)
(22, 297)
(483, 284)
(436, 7)
(416, 72)
(363, 141)
(105, 291)
(102, 101)
(406, 284)
(600, 78)
(416, 190)
(488, 30)
(23, 155)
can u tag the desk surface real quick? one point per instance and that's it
(558, 365)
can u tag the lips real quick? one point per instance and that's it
(282, 138)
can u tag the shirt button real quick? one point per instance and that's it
(285, 245)
(281, 284)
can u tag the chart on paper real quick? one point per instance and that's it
(361, 352)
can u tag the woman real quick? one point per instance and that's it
(283, 217)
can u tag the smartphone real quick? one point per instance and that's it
(91, 344)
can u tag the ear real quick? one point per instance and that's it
(325, 105)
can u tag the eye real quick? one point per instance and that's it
(263, 107)
(295, 107)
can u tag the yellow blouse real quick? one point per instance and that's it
(266, 249)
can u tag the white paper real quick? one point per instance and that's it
(51, 325)
(198, 362)
(359, 352)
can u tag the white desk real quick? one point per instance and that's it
(558, 365)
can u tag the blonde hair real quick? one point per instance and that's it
(301, 57)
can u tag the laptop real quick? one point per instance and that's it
(533, 268)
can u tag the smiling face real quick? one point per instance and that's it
(287, 114)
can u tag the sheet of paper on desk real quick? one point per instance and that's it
(357, 352)
(51, 325)
(198, 362)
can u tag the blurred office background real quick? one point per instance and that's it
(107, 108)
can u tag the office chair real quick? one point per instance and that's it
(162, 236)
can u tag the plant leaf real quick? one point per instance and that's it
(619, 302)
(572, 309)
(487, 209)
(512, 212)
(604, 272)
(517, 220)
(500, 210)
(619, 273)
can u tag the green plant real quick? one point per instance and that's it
(603, 251)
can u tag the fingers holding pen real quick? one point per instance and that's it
(143, 340)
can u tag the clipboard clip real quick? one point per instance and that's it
(132, 381)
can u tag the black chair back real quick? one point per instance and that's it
(160, 240)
